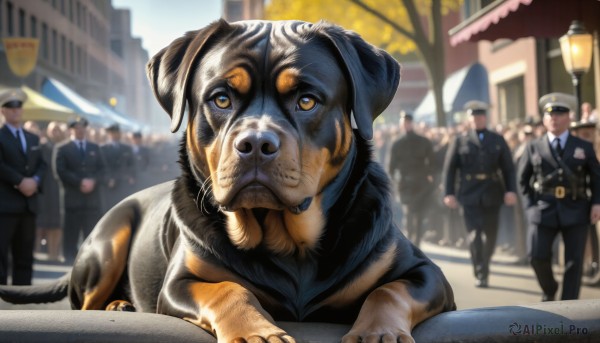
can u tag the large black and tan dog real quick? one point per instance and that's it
(280, 212)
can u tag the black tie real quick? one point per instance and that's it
(18, 134)
(81, 150)
(558, 147)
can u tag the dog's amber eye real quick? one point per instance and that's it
(222, 101)
(306, 103)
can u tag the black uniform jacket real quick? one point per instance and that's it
(70, 168)
(14, 166)
(412, 155)
(120, 163)
(555, 193)
(474, 167)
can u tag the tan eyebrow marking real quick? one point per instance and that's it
(239, 79)
(287, 80)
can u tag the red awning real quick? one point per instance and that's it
(513, 19)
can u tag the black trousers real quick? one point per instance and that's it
(482, 229)
(413, 220)
(540, 252)
(17, 234)
(77, 222)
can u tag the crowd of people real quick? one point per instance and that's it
(58, 178)
(517, 185)
(510, 186)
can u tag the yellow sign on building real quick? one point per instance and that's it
(21, 54)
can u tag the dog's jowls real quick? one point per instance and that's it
(280, 213)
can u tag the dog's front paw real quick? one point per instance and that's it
(261, 339)
(381, 336)
(254, 333)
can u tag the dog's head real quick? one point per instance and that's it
(271, 109)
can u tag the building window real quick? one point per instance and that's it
(71, 57)
(33, 27)
(117, 47)
(84, 18)
(63, 51)
(79, 62)
(45, 54)
(54, 47)
(78, 13)
(71, 12)
(9, 17)
(22, 23)
(511, 100)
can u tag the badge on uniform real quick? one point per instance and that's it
(579, 154)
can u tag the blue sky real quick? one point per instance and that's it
(159, 22)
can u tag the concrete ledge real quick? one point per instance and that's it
(563, 321)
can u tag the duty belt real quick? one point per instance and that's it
(559, 192)
(480, 176)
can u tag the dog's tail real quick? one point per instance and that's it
(36, 294)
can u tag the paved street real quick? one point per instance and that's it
(509, 284)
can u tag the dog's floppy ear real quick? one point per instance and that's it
(169, 70)
(374, 75)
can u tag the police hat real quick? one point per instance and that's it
(557, 103)
(79, 120)
(12, 98)
(113, 128)
(406, 116)
(476, 107)
(582, 124)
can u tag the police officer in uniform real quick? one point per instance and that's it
(78, 165)
(120, 168)
(412, 157)
(480, 164)
(559, 177)
(22, 168)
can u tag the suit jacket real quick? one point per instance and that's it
(70, 168)
(482, 170)
(412, 156)
(16, 165)
(542, 207)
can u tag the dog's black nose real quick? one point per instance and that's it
(263, 145)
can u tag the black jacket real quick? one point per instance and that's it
(540, 173)
(412, 156)
(482, 170)
(70, 169)
(14, 166)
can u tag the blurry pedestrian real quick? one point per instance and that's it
(49, 216)
(22, 168)
(79, 166)
(554, 174)
(411, 156)
(475, 160)
(120, 168)
(141, 160)
(587, 113)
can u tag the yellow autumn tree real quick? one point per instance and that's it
(401, 26)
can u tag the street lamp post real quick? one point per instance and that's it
(576, 48)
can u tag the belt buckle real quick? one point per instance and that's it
(559, 192)
(480, 176)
